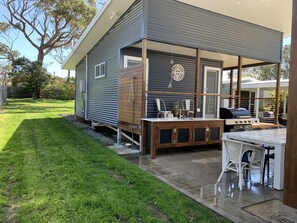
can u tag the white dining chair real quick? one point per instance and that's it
(188, 104)
(242, 156)
(162, 111)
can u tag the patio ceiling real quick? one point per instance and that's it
(274, 14)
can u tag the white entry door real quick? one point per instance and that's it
(211, 102)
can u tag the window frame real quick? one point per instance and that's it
(102, 70)
(127, 58)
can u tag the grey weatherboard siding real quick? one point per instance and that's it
(172, 22)
(80, 75)
(103, 92)
(185, 25)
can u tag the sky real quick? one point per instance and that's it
(26, 49)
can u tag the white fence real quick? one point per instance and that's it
(3, 95)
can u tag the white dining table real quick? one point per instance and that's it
(269, 137)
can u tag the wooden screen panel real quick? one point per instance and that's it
(130, 95)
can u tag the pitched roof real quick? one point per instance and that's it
(274, 14)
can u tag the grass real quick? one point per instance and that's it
(51, 171)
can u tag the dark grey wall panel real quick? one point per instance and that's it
(182, 24)
(159, 77)
(80, 75)
(103, 92)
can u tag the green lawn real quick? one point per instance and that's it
(51, 171)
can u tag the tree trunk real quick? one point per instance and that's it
(40, 57)
(37, 93)
(68, 76)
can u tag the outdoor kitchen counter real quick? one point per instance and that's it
(162, 133)
(175, 119)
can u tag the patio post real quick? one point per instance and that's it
(257, 102)
(231, 88)
(276, 103)
(197, 81)
(144, 69)
(285, 103)
(239, 81)
(290, 186)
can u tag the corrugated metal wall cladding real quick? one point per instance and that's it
(80, 75)
(159, 71)
(182, 24)
(103, 92)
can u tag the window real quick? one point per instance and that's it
(100, 70)
(130, 61)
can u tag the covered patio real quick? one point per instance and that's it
(277, 16)
(233, 34)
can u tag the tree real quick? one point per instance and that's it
(59, 54)
(60, 88)
(286, 61)
(31, 73)
(268, 72)
(7, 54)
(49, 24)
(6, 49)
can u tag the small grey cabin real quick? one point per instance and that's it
(137, 51)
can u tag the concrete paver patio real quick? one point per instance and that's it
(194, 172)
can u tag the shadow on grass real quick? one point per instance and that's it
(52, 171)
(32, 109)
(18, 106)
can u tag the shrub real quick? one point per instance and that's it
(59, 88)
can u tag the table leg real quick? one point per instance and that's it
(153, 144)
(153, 149)
(279, 167)
(224, 155)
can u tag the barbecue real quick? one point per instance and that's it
(237, 119)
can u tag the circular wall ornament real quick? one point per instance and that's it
(177, 72)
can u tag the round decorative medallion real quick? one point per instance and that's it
(177, 72)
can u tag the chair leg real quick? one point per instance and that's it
(268, 168)
(240, 179)
(221, 175)
(160, 115)
(261, 176)
(266, 161)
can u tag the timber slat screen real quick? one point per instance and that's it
(130, 98)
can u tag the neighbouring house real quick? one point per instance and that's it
(136, 51)
(258, 96)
